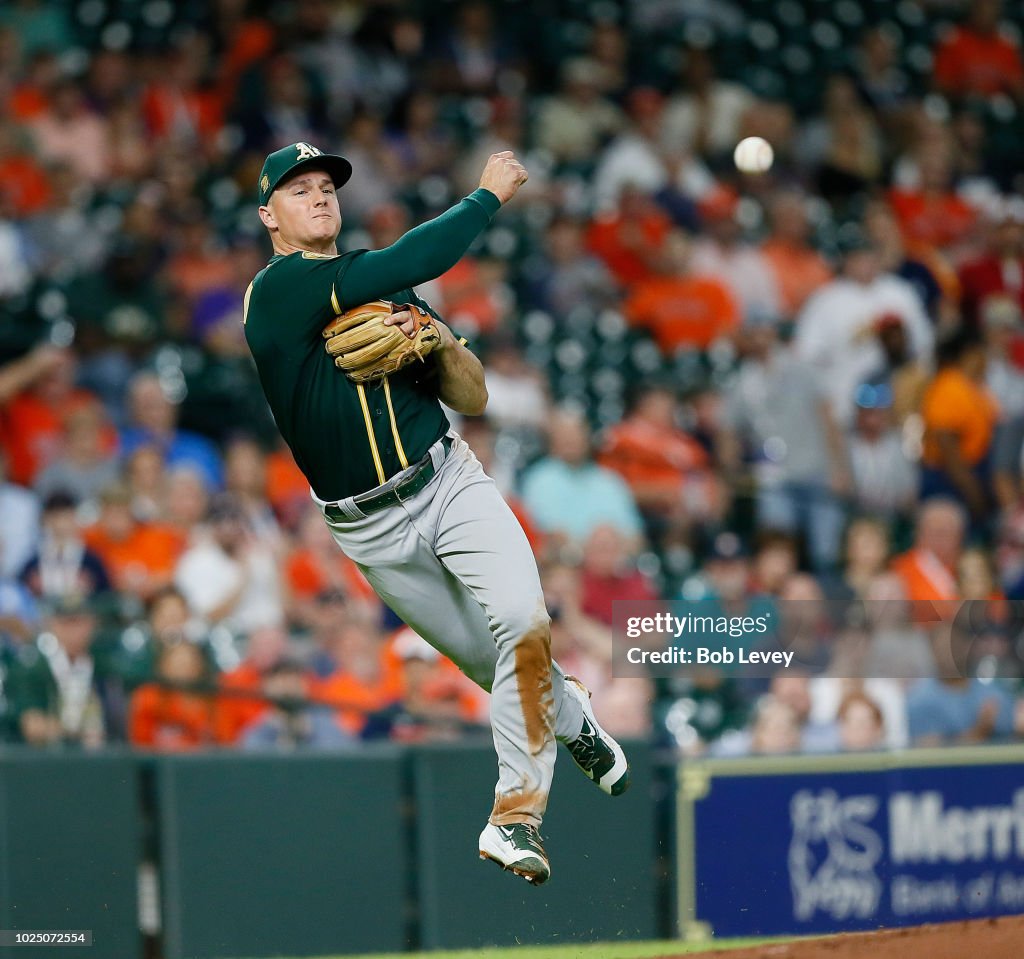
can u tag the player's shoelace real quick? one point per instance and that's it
(590, 752)
(524, 837)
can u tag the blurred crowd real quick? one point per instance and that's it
(797, 390)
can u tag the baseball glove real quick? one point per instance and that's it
(367, 350)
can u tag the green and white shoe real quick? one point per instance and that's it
(517, 848)
(599, 756)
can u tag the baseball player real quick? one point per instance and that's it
(402, 493)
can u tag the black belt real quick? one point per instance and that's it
(410, 486)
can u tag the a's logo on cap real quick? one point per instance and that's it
(264, 183)
(306, 152)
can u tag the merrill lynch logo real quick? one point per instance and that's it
(832, 855)
(923, 829)
(834, 850)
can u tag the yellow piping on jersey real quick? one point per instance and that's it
(369, 432)
(334, 301)
(245, 303)
(394, 427)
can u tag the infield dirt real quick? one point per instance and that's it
(979, 939)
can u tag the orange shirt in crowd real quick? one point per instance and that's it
(240, 704)
(446, 688)
(307, 578)
(444, 684)
(448, 683)
(969, 62)
(169, 720)
(627, 247)
(250, 41)
(683, 310)
(534, 536)
(954, 403)
(287, 489)
(27, 101)
(928, 221)
(195, 272)
(799, 271)
(468, 296)
(148, 555)
(354, 697)
(166, 108)
(930, 586)
(32, 432)
(925, 577)
(25, 184)
(647, 456)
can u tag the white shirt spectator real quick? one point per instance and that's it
(207, 576)
(744, 270)
(835, 333)
(515, 401)
(884, 479)
(574, 131)
(14, 272)
(1007, 385)
(633, 160)
(728, 102)
(19, 528)
(826, 697)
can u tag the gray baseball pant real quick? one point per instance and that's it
(454, 563)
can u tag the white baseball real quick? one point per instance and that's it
(753, 155)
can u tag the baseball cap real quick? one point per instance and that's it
(60, 499)
(410, 645)
(288, 159)
(873, 396)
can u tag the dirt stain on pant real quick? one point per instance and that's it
(533, 680)
(522, 805)
(536, 698)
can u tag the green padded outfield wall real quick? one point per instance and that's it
(69, 848)
(602, 853)
(271, 855)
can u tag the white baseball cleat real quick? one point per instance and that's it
(599, 756)
(517, 848)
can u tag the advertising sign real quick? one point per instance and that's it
(813, 845)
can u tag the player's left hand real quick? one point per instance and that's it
(408, 317)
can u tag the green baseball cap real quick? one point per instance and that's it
(290, 158)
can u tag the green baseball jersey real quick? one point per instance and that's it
(346, 437)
